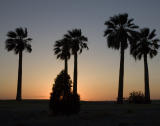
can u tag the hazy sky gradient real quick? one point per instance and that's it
(98, 68)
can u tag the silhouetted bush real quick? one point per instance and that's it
(62, 100)
(136, 97)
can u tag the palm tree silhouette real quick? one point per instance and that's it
(18, 41)
(62, 50)
(78, 43)
(146, 44)
(119, 32)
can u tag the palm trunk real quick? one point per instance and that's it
(66, 65)
(75, 74)
(19, 85)
(146, 80)
(121, 76)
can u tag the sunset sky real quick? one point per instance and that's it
(98, 68)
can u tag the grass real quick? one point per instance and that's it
(36, 112)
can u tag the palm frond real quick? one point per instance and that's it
(26, 33)
(20, 32)
(107, 31)
(130, 21)
(28, 48)
(11, 34)
(10, 44)
(145, 32)
(152, 34)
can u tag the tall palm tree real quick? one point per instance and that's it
(119, 32)
(78, 43)
(146, 44)
(18, 41)
(62, 50)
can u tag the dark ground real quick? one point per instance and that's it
(36, 113)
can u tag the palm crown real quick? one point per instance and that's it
(18, 41)
(119, 30)
(146, 44)
(78, 41)
(61, 49)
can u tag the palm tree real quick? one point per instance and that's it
(119, 32)
(146, 44)
(62, 50)
(78, 43)
(18, 41)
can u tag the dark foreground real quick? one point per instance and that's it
(36, 113)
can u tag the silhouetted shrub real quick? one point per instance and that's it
(62, 100)
(136, 97)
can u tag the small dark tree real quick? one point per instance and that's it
(62, 100)
(136, 97)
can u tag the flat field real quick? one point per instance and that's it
(36, 113)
